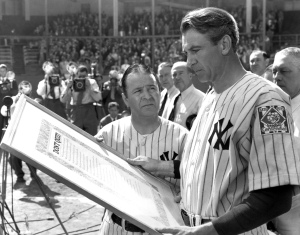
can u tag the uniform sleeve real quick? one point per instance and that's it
(102, 133)
(258, 208)
(273, 159)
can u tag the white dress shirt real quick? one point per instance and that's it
(188, 103)
(172, 92)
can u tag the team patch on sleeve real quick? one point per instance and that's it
(272, 119)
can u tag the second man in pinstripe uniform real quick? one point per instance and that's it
(143, 134)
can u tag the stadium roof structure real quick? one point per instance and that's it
(180, 4)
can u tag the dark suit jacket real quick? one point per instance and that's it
(106, 99)
(104, 121)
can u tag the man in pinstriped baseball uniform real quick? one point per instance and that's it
(240, 164)
(286, 73)
(143, 133)
(169, 92)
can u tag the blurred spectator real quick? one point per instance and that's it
(112, 92)
(50, 89)
(124, 66)
(81, 92)
(63, 67)
(268, 74)
(25, 88)
(8, 87)
(259, 61)
(280, 19)
(113, 110)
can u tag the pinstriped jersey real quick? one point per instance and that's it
(165, 143)
(241, 140)
(295, 102)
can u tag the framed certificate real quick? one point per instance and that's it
(65, 152)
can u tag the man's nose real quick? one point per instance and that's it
(146, 93)
(277, 77)
(191, 61)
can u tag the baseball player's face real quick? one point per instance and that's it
(143, 95)
(258, 63)
(203, 56)
(165, 78)
(182, 78)
(286, 74)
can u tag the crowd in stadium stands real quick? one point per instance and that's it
(115, 52)
(133, 24)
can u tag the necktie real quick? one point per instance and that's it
(172, 114)
(112, 93)
(79, 98)
(52, 93)
(163, 104)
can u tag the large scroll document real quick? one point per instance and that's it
(70, 155)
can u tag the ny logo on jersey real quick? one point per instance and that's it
(219, 133)
(165, 156)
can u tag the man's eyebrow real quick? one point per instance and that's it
(136, 88)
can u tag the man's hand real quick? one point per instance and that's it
(146, 163)
(205, 229)
(99, 138)
(155, 167)
(69, 84)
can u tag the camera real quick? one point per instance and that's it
(3, 84)
(94, 72)
(79, 85)
(54, 80)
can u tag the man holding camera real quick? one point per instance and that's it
(112, 92)
(25, 88)
(50, 88)
(8, 87)
(81, 92)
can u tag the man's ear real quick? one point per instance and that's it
(267, 62)
(225, 44)
(125, 99)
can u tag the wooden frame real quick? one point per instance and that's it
(55, 146)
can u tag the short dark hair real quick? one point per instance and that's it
(113, 104)
(164, 64)
(264, 54)
(136, 69)
(72, 63)
(214, 22)
(24, 83)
